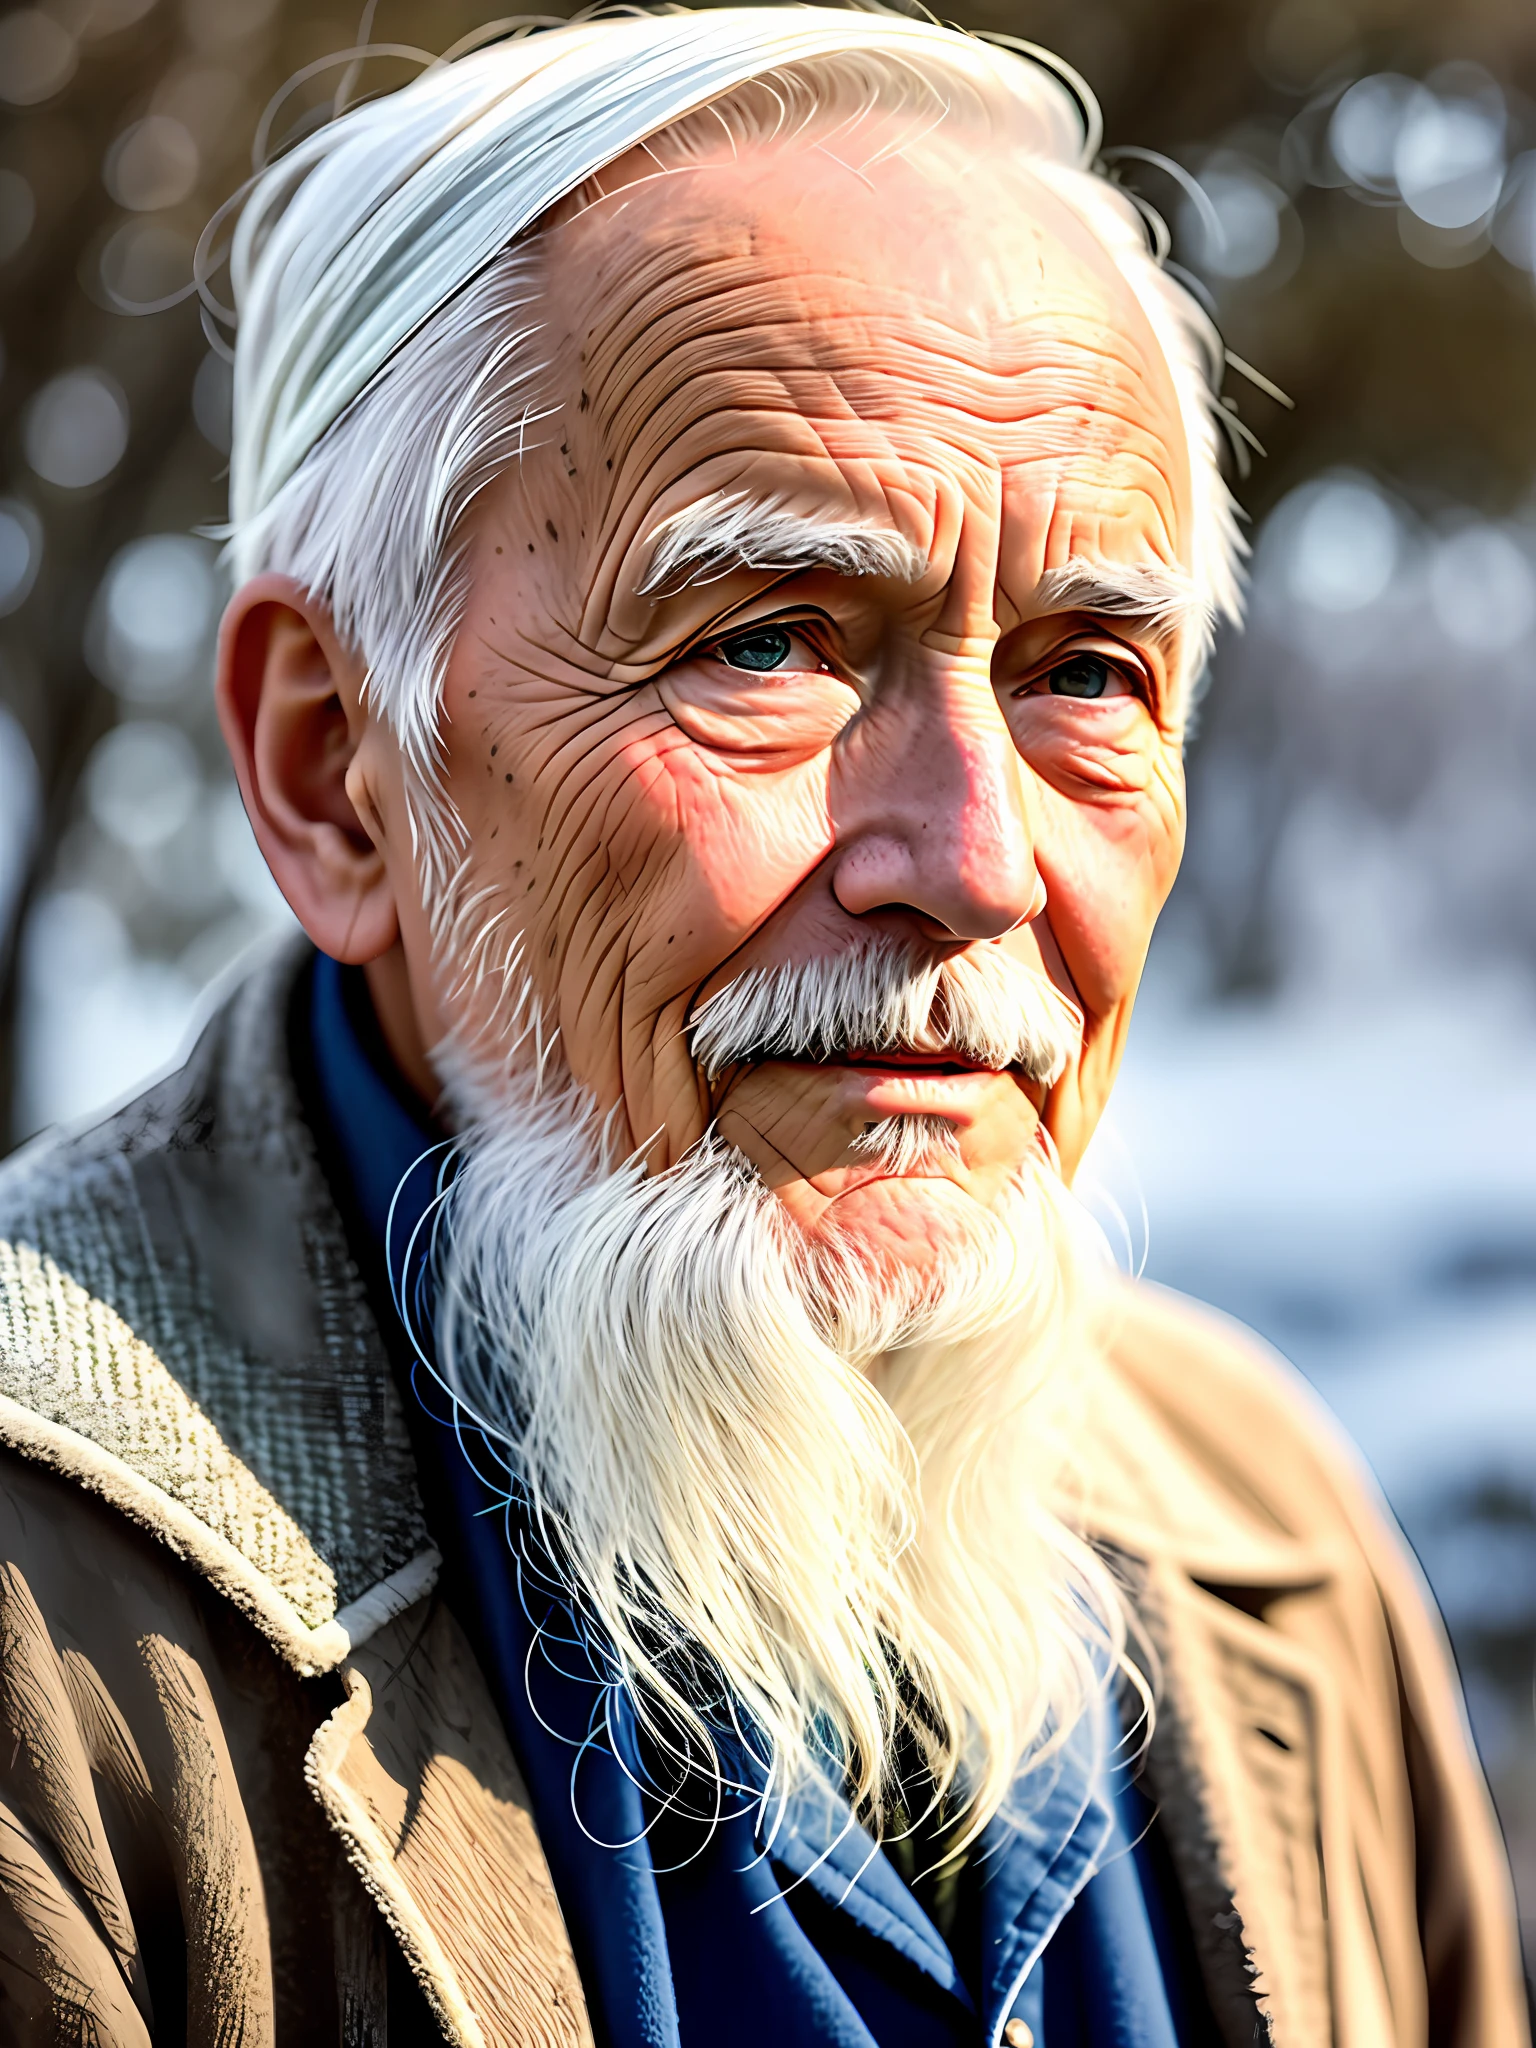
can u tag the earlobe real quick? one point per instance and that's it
(290, 699)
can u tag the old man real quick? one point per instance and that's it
(579, 1475)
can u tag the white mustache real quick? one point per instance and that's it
(885, 995)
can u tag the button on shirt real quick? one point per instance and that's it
(778, 1924)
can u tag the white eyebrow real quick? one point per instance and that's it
(1147, 594)
(730, 530)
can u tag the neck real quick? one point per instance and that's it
(389, 987)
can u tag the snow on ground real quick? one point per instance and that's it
(1361, 1189)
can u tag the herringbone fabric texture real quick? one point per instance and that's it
(137, 1310)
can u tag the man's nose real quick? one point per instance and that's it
(929, 808)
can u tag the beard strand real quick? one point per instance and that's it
(903, 1145)
(800, 1507)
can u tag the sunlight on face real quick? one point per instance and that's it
(796, 741)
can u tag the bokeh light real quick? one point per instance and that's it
(37, 56)
(1241, 230)
(1482, 589)
(152, 617)
(1448, 157)
(1340, 540)
(142, 783)
(18, 210)
(153, 163)
(76, 428)
(21, 552)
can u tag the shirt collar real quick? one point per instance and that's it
(1038, 1854)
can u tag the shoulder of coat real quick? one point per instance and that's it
(1207, 1440)
(184, 1333)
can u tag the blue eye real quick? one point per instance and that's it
(1083, 676)
(766, 647)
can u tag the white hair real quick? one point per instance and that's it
(800, 1507)
(389, 362)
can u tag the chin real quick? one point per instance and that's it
(905, 1223)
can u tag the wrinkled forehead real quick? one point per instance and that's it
(792, 307)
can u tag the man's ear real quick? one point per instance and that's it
(290, 700)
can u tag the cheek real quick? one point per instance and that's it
(1108, 863)
(635, 861)
(725, 843)
(654, 852)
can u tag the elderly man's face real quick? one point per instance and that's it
(758, 765)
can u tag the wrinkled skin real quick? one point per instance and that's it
(935, 348)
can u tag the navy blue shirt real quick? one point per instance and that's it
(768, 1927)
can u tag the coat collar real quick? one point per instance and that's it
(183, 1331)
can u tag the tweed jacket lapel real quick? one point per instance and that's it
(1233, 1769)
(182, 1327)
(1233, 1759)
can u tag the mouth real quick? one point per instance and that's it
(939, 1061)
(895, 1062)
(900, 1081)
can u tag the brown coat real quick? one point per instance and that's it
(252, 1785)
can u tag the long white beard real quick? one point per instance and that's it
(789, 1497)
